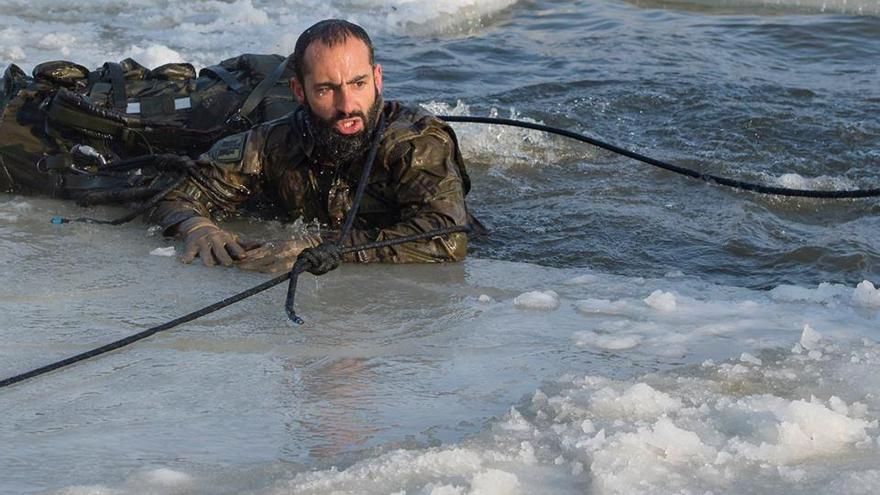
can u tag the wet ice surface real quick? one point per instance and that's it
(630, 385)
(655, 371)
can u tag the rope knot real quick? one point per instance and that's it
(323, 258)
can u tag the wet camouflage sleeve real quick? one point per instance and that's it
(227, 180)
(430, 194)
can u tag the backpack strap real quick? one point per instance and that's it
(224, 75)
(260, 92)
(117, 80)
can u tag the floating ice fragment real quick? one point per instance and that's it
(865, 294)
(638, 401)
(608, 342)
(581, 280)
(811, 428)
(661, 301)
(515, 421)
(164, 251)
(527, 453)
(167, 477)
(484, 299)
(837, 405)
(444, 490)
(600, 306)
(638, 461)
(748, 358)
(542, 300)
(825, 293)
(494, 482)
(674, 274)
(587, 426)
(810, 338)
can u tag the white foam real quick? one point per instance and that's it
(206, 32)
(154, 55)
(796, 181)
(12, 53)
(865, 7)
(539, 300)
(62, 42)
(504, 146)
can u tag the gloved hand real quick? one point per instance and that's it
(210, 243)
(275, 256)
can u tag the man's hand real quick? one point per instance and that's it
(275, 256)
(210, 243)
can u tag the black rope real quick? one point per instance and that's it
(299, 267)
(146, 333)
(302, 264)
(737, 184)
(365, 177)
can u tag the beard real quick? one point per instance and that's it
(335, 149)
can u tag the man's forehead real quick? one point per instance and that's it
(352, 52)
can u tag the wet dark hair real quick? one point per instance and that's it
(329, 32)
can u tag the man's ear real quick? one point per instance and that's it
(377, 76)
(297, 90)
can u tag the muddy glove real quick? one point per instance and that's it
(210, 243)
(276, 256)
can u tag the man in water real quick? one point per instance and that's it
(308, 163)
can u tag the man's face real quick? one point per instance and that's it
(340, 88)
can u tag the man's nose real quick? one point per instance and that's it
(345, 102)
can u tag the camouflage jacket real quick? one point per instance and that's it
(417, 184)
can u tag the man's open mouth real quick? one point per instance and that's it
(349, 126)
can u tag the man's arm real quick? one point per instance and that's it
(430, 194)
(224, 182)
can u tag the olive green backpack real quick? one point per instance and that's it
(62, 125)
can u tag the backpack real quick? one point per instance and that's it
(60, 126)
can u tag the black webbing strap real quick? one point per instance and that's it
(117, 80)
(224, 75)
(262, 89)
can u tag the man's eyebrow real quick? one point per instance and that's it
(327, 84)
(331, 85)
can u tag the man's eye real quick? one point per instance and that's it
(361, 84)
(323, 92)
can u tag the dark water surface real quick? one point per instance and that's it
(752, 97)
